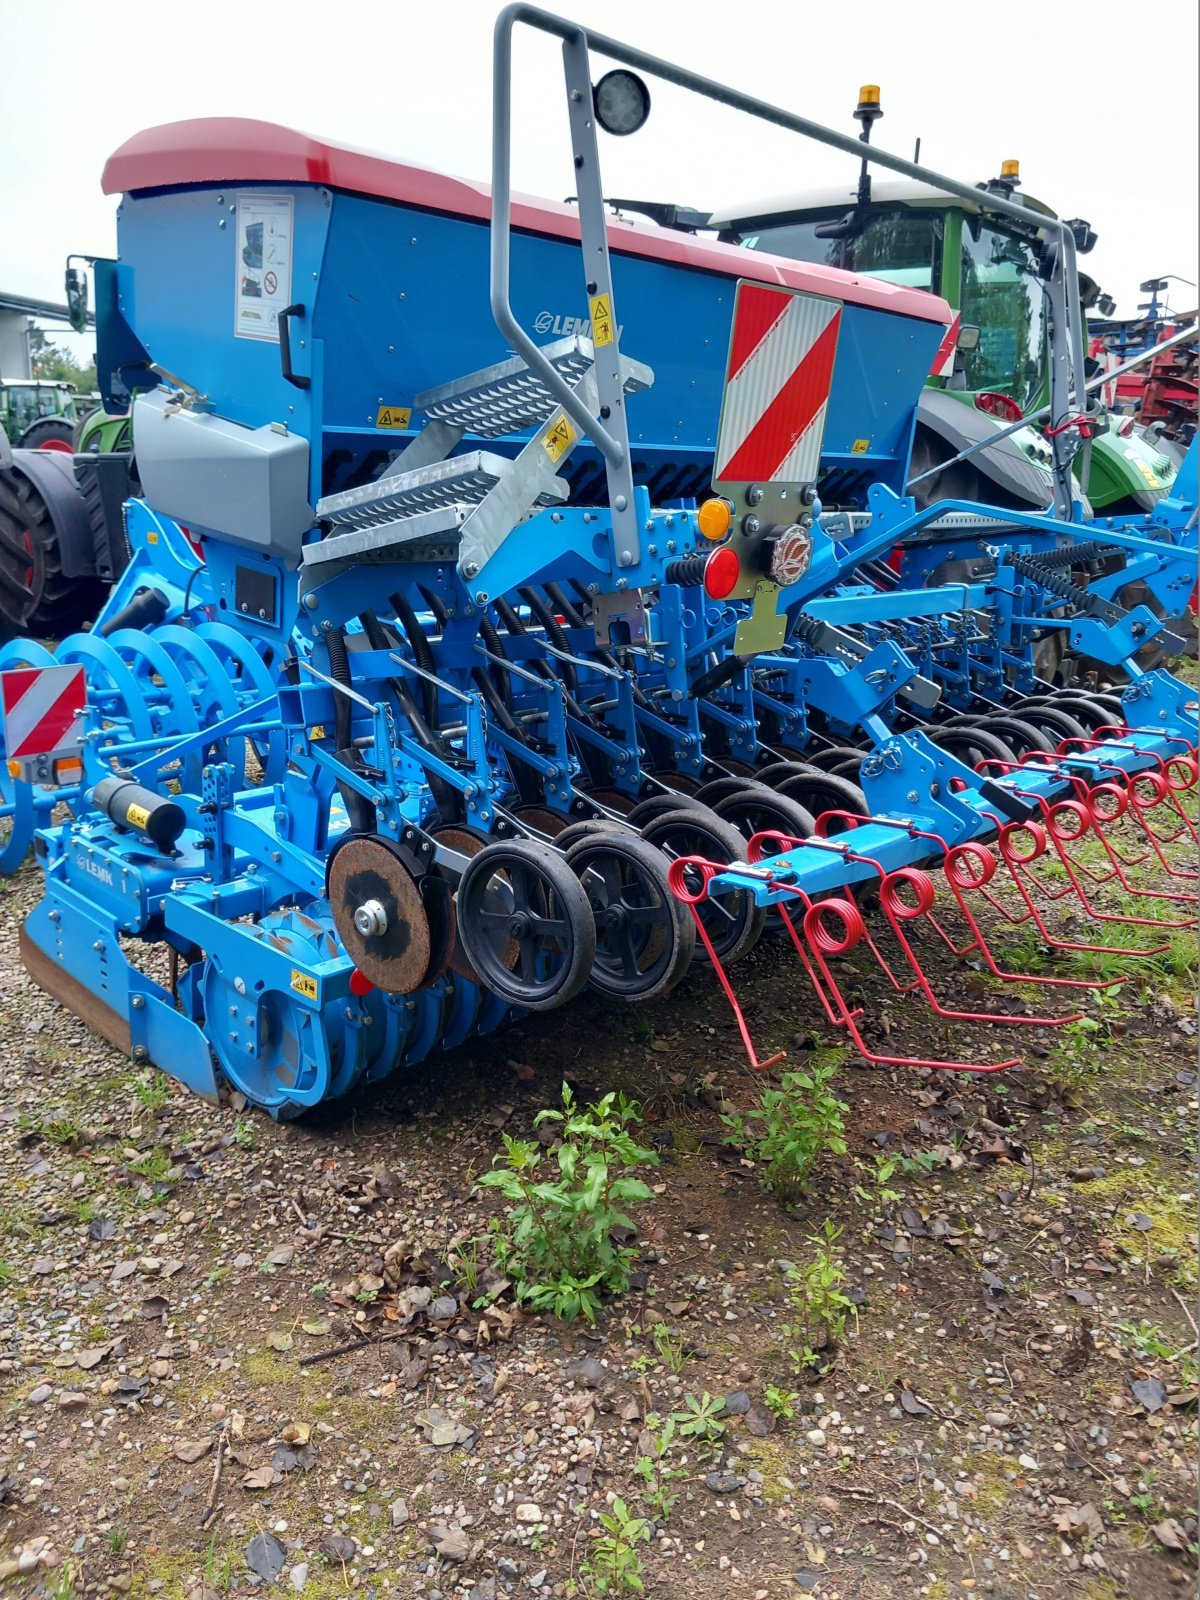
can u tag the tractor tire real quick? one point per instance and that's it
(35, 598)
(48, 433)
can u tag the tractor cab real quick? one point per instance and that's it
(993, 272)
(35, 412)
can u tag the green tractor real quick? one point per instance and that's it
(39, 413)
(66, 469)
(993, 273)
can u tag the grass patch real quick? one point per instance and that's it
(1173, 1220)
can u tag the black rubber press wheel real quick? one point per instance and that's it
(644, 936)
(522, 893)
(733, 922)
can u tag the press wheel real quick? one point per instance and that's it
(753, 808)
(464, 842)
(522, 891)
(541, 819)
(733, 922)
(819, 792)
(644, 936)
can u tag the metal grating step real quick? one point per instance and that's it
(463, 480)
(508, 398)
(425, 536)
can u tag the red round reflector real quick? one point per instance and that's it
(721, 574)
(360, 984)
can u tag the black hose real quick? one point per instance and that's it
(418, 643)
(339, 671)
(494, 646)
(573, 616)
(554, 632)
(361, 811)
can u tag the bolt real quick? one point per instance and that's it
(750, 526)
(470, 568)
(371, 919)
(754, 495)
(481, 597)
(98, 944)
(240, 985)
(625, 558)
(140, 1053)
(620, 502)
(912, 797)
(593, 588)
(138, 1002)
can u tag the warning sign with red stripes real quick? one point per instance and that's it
(943, 357)
(42, 710)
(781, 355)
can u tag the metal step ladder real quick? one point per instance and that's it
(508, 398)
(429, 503)
(462, 480)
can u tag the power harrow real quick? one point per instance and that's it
(425, 704)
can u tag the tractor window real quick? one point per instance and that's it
(1002, 295)
(896, 243)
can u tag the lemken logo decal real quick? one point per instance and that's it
(97, 869)
(555, 322)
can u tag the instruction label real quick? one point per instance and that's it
(263, 265)
(558, 438)
(137, 816)
(600, 306)
(303, 984)
(393, 417)
(860, 447)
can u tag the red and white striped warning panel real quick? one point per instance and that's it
(42, 709)
(781, 355)
(942, 365)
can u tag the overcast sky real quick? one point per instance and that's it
(1098, 103)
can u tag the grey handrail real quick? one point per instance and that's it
(1066, 343)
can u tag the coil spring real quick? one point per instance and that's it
(686, 571)
(1075, 555)
(830, 941)
(1076, 594)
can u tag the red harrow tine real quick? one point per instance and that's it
(822, 941)
(1161, 788)
(1064, 822)
(1108, 802)
(971, 866)
(677, 882)
(898, 911)
(1018, 860)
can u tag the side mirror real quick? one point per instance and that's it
(1089, 291)
(77, 299)
(1084, 235)
(851, 226)
(968, 336)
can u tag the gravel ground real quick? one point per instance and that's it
(236, 1354)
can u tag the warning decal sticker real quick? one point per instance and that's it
(602, 320)
(263, 265)
(558, 438)
(304, 983)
